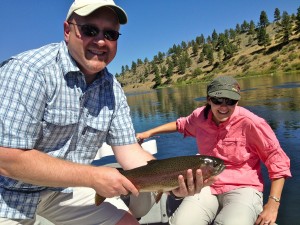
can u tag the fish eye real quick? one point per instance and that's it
(208, 161)
(212, 162)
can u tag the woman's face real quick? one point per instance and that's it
(222, 108)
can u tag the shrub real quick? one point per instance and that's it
(292, 56)
(241, 61)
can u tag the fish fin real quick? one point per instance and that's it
(158, 196)
(99, 199)
(152, 161)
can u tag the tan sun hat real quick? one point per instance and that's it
(86, 7)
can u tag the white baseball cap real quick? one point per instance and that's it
(86, 7)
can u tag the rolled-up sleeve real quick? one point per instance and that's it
(121, 131)
(188, 125)
(267, 146)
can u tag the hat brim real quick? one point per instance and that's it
(225, 94)
(88, 9)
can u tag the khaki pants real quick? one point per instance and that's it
(240, 206)
(78, 208)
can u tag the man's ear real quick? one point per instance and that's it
(66, 31)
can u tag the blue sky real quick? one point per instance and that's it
(153, 26)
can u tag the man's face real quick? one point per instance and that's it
(92, 54)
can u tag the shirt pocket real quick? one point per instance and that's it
(96, 129)
(60, 123)
(232, 150)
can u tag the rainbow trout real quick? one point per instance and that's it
(162, 175)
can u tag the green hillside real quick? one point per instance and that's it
(265, 47)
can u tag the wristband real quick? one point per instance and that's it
(275, 198)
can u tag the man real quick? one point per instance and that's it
(58, 105)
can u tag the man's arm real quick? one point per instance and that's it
(131, 156)
(35, 167)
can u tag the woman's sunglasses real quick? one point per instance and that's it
(219, 101)
(92, 31)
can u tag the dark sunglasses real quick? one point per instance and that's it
(92, 31)
(219, 101)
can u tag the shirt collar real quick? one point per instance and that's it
(227, 122)
(68, 65)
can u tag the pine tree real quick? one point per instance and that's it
(297, 27)
(232, 34)
(157, 80)
(263, 19)
(201, 58)
(222, 42)
(263, 39)
(133, 67)
(200, 40)
(182, 65)
(245, 26)
(195, 49)
(139, 62)
(277, 16)
(183, 45)
(210, 57)
(229, 50)
(160, 57)
(163, 70)
(170, 69)
(238, 28)
(214, 38)
(251, 28)
(286, 25)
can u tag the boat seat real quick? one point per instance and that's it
(149, 146)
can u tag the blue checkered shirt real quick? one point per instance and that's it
(46, 105)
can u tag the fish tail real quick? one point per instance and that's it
(158, 197)
(99, 199)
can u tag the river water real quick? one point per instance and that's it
(275, 98)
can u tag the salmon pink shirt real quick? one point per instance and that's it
(243, 141)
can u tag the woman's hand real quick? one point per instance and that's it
(269, 213)
(192, 186)
(141, 136)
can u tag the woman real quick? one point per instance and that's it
(242, 139)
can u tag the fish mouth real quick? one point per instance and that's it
(220, 169)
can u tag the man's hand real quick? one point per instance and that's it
(109, 182)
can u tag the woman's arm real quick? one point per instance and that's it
(165, 128)
(270, 210)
